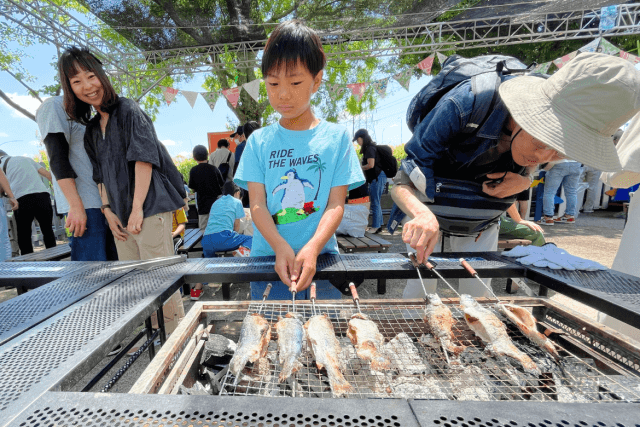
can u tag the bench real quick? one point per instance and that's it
(369, 243)
(52, 254)
(192, 236)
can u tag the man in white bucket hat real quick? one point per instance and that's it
(573, 114)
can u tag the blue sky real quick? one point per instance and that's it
(179, 126)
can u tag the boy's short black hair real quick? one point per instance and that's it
(223, 143)
(229, 188)
(200, 153)
(290, 42)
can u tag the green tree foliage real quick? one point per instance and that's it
(184, 166)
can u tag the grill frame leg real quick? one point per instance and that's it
(152, 348)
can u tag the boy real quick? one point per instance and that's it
(297, 170)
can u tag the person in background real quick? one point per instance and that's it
(297, 170)
(516, 227)
(374, 174)
(178, 224)
(75, 191)
(33, 198)
(139, 185)
(241, 141)
(626, 259)
(566, 173)
(247, 129)
(206, 181)
(5, 191)
(223, 159)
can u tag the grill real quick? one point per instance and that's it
(420, 369)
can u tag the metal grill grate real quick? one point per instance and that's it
(69, 409)
(420, 369)
(26, 310)
(65, 341)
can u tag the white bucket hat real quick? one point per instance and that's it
(579, 108)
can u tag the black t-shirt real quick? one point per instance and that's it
(370, 152)
(129, 138)
(206, 180)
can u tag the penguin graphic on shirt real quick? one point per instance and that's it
(293, 203)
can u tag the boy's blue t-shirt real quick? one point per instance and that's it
(298, 170)
(224, 212)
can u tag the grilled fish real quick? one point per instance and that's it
(524, 320)
(254, 341)
(368, 340)
(290, 339)
(440, 320)
(493, 333)
(326, 349)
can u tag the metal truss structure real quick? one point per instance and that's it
(132, 66)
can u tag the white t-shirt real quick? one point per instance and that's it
(23, 176)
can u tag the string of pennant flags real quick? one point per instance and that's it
(357, 90)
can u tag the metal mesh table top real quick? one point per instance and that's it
(419, 368)
(59, 347)
(89, 409)
(612, 292)
(54, 269)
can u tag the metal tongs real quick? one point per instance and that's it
(431, 268)
(474, 273)
(265, 295)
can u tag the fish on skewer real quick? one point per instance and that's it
(368, 341)
(291, 337)
(255, 335)
(524, 320)
(439, 318)
(486, 325)
(326, 350)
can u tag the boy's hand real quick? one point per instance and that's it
(304, 268)
(285, 259)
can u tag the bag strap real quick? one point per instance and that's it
(485, 88)
(6, 162)
(228, 157)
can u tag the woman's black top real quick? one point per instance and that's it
(129, 138)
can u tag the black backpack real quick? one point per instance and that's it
(388, 163)
(462, 208)
(224, 167)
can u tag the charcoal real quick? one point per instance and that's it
(218, 350)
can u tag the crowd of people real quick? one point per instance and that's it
(124, 198)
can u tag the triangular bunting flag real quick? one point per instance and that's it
(542, 68)
(357, 90)
(426, 64)
(380, 87)
(404, 78)
(608, 48)
(253, 88)
(211, 98)
(441, 58)
(629, 57)
(608, 18)
(232, 95)
(591, 46)
(191, 96)
(169, 93)
(335, 90)
(560, 62)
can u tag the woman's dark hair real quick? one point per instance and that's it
(72, 60)
(200, 153)
(290, 42)
(223, 143)
(229, 189)
(249, 127)
(366, 142)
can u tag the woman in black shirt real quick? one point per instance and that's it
(139, 185)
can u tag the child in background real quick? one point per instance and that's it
(298, 170)
(221, 233)
(178, 225)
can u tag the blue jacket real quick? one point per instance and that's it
(439, 136)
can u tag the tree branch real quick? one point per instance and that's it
(16, 106)
(31, 91)
(275, 18)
